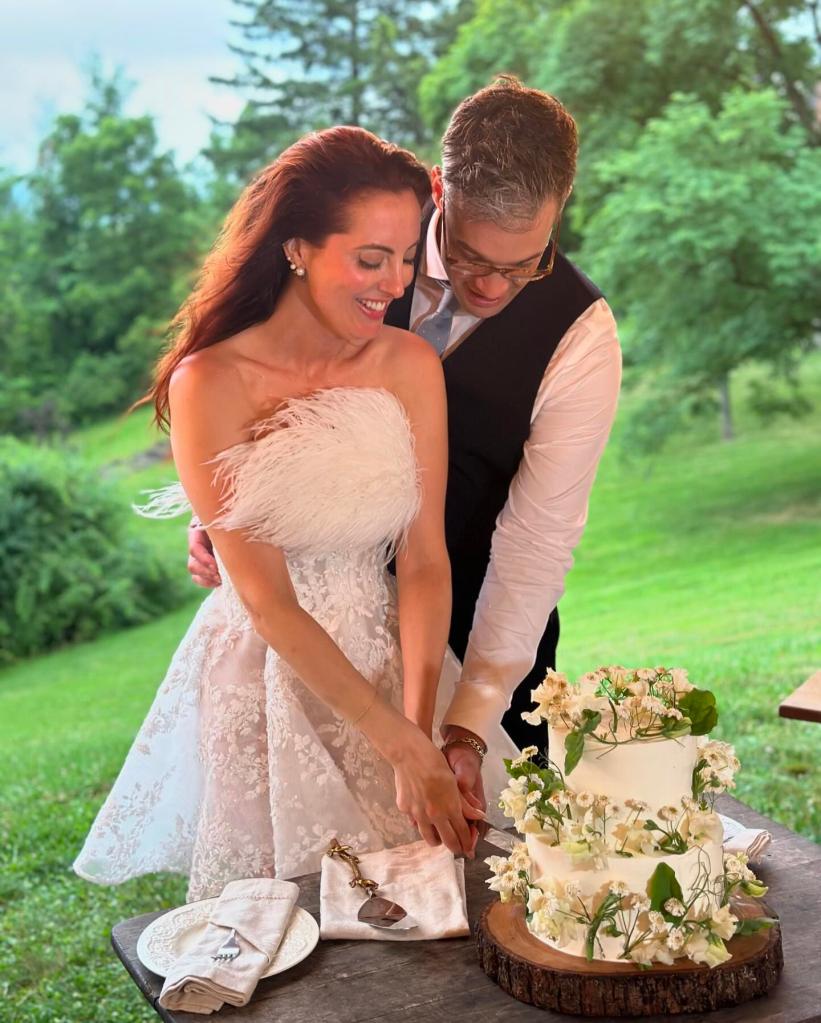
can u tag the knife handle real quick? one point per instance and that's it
(343, 852)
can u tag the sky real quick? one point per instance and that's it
(168, 48)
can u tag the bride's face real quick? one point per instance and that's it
(352, 278)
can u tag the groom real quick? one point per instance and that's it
(532, 369)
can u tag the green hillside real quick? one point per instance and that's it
(707, 557)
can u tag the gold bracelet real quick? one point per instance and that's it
(468, 740)
(365, 711)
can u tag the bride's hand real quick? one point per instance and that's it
(427, 792)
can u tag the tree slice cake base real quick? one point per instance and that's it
(533, 972)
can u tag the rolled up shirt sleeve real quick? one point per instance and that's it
(542, 520)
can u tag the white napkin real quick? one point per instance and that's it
(259, 909)
(427, 881)
(738, 839)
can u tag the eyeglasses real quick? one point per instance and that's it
(514, 274)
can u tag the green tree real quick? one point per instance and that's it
(115, 227)
(616, 63)
(709, 242)
(324, 62)
(25, 352)
(501, 36)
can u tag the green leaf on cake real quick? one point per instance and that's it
(591, 719)
(752, 926)
(663, 885)
(699, 705)
(574, 741)
(698, 781)
(573, 749)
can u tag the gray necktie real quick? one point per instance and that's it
(435, 327)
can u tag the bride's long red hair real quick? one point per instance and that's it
(304, 194)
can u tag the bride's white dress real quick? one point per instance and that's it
(239, 770)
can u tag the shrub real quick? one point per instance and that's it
(70, 566)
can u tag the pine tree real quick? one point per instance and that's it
(322, 62)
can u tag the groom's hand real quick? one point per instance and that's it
(202, 565)
(466, 765)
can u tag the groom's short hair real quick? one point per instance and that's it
(507, 150)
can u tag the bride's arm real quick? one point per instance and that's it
(209, 413)
(422, 564)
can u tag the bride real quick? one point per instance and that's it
(311, 438)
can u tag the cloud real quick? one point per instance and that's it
(167, 48)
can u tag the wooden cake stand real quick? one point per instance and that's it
(539, 975)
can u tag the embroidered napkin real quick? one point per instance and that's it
(427, 881)
(737, 839)
(259, 909)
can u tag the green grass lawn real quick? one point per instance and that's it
(707, 556)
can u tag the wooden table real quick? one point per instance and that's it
(422, 982)
(805, 702)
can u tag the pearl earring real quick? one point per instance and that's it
(300, 271)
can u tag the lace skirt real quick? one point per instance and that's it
(240, 771)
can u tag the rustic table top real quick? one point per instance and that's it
(426, 981)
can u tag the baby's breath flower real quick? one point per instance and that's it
(584, 799)
(527, 754)
(674, 907)
(572, 890)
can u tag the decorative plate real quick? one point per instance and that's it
(175, 933)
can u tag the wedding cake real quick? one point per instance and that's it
(622, 858)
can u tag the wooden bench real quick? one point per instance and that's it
(805, 703)
(442, 982)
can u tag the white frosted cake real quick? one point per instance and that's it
(622, 858)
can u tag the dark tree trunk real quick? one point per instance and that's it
(727, 428)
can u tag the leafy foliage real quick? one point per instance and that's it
(709, 240)
(94, 257)
(324, 62)
(70, 567)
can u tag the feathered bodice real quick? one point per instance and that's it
(334, 471)
(331, 472)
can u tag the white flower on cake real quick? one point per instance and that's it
(525, 755)
(723, 923)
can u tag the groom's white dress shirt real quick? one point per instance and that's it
(546, 510)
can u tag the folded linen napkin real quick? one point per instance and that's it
(259, 910)
(427, 881)
(737, 839)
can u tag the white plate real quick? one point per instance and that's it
(174, 934)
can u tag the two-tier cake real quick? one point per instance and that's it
(623, 859)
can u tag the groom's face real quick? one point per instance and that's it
(475, 251)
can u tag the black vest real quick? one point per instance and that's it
(492, 379)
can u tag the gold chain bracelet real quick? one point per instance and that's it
(468, 740)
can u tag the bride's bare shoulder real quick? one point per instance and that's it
(405, 353)
(208, 384)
